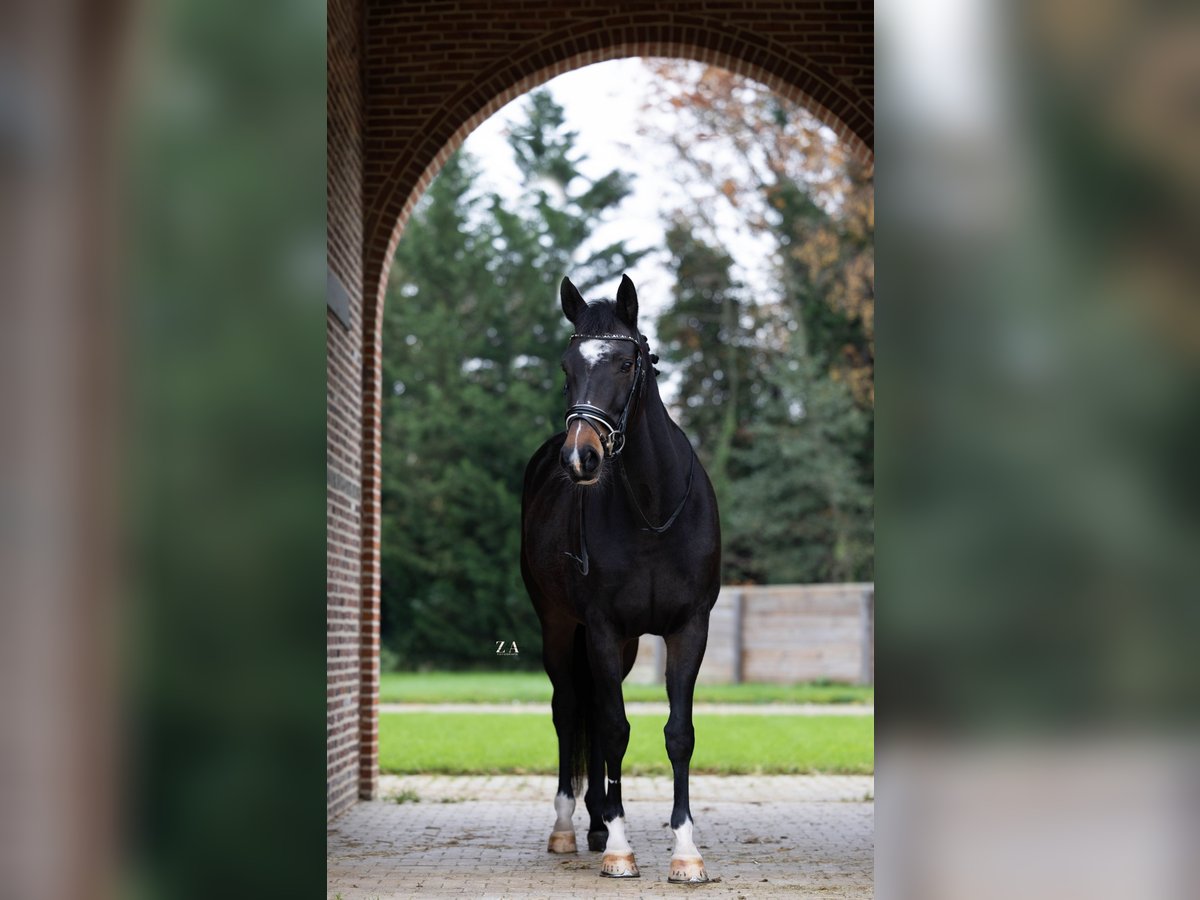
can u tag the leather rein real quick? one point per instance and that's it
(612, 438)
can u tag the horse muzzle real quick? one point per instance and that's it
(581, 461)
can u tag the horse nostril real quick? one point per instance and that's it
(591, 461)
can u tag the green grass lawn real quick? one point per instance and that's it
(534, 687)
(484, 743)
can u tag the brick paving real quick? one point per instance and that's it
(485, 837)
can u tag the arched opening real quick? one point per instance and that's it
(406, 83)
(796, 80)
(400, 192)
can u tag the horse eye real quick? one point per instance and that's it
(627, 365)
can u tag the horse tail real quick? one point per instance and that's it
(585, 721)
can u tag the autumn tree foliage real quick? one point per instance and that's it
(776, 382)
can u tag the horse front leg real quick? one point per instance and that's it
(604, 654)
(685, 652)
(566, 710)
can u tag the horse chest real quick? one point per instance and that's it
(635, 584)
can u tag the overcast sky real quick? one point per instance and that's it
(604, 104)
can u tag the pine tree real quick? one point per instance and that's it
(706, 334)
(799, 511)
(472, 336)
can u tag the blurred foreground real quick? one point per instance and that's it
(162, 492)
(1038, 171)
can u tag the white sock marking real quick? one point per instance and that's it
(564, 808)
(616, 837)
(685, 847)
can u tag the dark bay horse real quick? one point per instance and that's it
(619, 538)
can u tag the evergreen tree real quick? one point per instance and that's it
(827, 274)
(799, 511)
(788, 424)
(707, 336)
(472, 335)
(778, 433)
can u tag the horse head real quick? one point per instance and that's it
(605, 366)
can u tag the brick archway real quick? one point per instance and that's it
(407, 85)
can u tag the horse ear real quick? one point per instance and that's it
(572, 301)
(627, 307)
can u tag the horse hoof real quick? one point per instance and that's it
(619, 865)
(561, 842)
(597, 840)
(689, 870)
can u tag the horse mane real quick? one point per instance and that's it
(600, 317)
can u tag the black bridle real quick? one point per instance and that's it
(614, 442)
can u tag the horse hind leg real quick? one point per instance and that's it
(685, 652)
(593, 748)
(597, 836)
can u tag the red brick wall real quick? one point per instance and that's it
(344, 410)
(430, 73)
(436, 70)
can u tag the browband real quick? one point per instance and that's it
(605, 337)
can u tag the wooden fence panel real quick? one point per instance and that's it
(782, 634)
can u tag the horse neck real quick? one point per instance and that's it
(656, 458)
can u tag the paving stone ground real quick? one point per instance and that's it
(485, 837)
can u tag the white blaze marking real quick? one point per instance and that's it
(576, 462)
(594, 351)
(685, 847)
(564, 808)
(616, 837)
